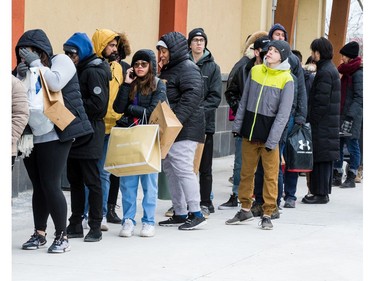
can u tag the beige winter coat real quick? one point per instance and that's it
(20, 111)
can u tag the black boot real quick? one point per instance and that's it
(350, 180)
(111, 214)
(337, 178)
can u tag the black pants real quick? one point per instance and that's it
(321, 178)
(205, 171)
(81, 172)
(113, 189)
(45, 166)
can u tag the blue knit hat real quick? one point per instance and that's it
(277, 26)
(81, 43)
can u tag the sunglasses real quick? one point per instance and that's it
(139, 64)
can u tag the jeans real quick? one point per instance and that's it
(355, 155)
(129, 190)
(104, 178)
(237, 164)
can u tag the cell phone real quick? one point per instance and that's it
(132, 75)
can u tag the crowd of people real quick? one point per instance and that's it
(269, 91)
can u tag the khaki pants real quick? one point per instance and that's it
(251, 152)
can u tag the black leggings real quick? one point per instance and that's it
(45, 166)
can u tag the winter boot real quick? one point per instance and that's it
(350, 180)
(337, 178)
(111, 214)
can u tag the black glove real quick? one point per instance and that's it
(235, 134)
(22, 68)
(28, 55)
(346, 126)
(268, 149)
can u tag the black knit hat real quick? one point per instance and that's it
(350, 50)
(197, 32)
(283, 48)
(141, 55)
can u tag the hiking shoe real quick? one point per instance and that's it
(112, 217)
(205, 211)
(257, 209)
(276, 214)
(127, 229)
(148, 230)
(266, 223)
(289, 203)
(94, 235)
(337, 178)
(169, 212)
(232, 203)
(59, 245)
(35, 242)
(240, 216)
(230, 180)
(85, 223)
(104, 225)
(74, 231)
(211, 208)
(173, 221)
(192, 222)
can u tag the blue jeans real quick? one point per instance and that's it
(104, 178)
(355, 155)
(237, 164)
(129, 190)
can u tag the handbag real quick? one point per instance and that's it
(133, 151)
(169, 126)
(299, 149)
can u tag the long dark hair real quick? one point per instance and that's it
(145, 85)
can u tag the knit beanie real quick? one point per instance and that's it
(350, 50)
(141, 55)
(197, 32)
(277, 26)
(282, 47)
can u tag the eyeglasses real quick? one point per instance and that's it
(139, 64)
(196, 40)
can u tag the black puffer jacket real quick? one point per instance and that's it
(324, 112)
(212, 88)
(184, 88)
(94, 75)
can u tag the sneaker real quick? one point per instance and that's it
(127, 229)
(289, 203)
(232, 203)
(170, 212)
(192, 222)
(74, 231)
(266, 223)
(231, 180)
(104, 225)
(240, 216)
(257, 209)
(85, 224)
(205, 211)
(173, 221)
(276, 213)
(211, 208)
(35, 242)
(148, 230)
(94, 235)
(59, 245)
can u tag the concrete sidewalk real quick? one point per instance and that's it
(309, 243)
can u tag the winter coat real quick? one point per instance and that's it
(324, 112)
(266, 104)
(100, 40)
(184, 88)
(212, 88)
(20, 111)
(94, 75)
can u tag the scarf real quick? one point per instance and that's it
(347, 70)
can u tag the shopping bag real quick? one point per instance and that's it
(299, 149)
(133, 151)
(169, 126)
(54, 107)
(198, 157)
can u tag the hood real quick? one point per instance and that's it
(177, 46)
(36, 38)
(101, 38)
(250, 43)
(83, 43)
(124, 48)
(282, 66)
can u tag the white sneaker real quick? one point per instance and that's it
(148, 230)
(85, 224)
(127, 229)
(104, 226)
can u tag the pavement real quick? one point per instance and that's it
(309, 243)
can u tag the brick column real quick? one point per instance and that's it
(173, 16)
(286, 14)
(18, 25)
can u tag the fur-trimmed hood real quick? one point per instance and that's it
(124, 47)
(250, 43)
